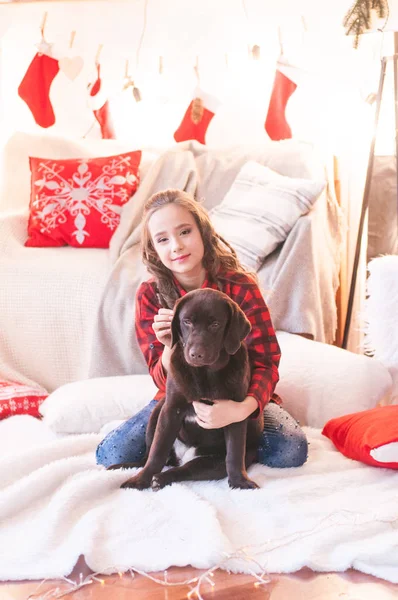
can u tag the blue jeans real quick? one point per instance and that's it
(283, 443)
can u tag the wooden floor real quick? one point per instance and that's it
(304, 585)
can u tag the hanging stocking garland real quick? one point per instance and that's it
(275, 124)
(197, 117)
(100, 106)
(34, 88)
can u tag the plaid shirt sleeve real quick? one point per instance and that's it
(146, 307)
(262, 345)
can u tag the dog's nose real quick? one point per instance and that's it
(196, 354)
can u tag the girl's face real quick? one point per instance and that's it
(177, 240)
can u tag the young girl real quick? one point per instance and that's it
(182, 251)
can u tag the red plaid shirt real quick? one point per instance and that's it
(262, 345)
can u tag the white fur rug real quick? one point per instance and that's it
(381, 315)
(55, 504)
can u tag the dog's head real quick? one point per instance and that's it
(207, 321)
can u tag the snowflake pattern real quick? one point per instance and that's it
(20, 399)
(61, 192)
(21, 407)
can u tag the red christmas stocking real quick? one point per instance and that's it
(34, 88)
(197, 118)
(275, 124)
(101, 109)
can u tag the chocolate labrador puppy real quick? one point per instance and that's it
(209, 362)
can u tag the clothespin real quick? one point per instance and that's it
(280, 41)
(98, 53)
(160, 68)
(304, 29)
(72, 38)
(126, 70)
(130, 83)
(197, 108)
(43, 25)
(255, 52)
(196, 69)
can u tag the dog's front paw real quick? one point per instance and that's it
(160, 481)
(242, 484)
(138, 482)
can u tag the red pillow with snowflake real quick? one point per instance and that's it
(20, 399)
(78, 201)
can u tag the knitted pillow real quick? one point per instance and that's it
(78, 201)
(260, 209)
(20, 399)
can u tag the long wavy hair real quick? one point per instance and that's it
(218, 255)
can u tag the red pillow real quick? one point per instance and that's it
(20, 399)
(357, 434)
(77, 201)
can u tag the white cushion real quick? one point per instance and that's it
(85, 406)
(381, 314)
(260, 209)
(15, 170)
(319, 382)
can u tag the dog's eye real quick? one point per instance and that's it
(186, 321)
(215, 325)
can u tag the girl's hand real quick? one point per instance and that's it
(162, 326)
(220, 414)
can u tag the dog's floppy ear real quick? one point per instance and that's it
(175, 323)
(237, 328)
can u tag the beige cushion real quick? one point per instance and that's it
(260, 209)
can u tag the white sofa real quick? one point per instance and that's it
(49, 297)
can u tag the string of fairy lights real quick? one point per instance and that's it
(258, 570)
(195, 583)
